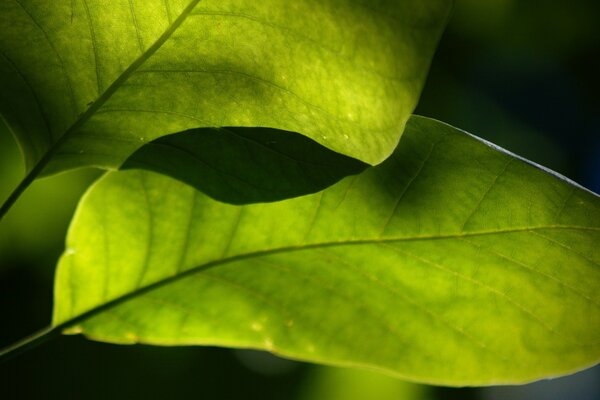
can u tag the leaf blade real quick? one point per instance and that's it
(306, 67)
(411, 267)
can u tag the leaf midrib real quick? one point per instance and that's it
(290, 249)
(95, 106)
(126, 74)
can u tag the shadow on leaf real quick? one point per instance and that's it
(245, 165)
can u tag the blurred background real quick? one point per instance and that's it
(523, 74)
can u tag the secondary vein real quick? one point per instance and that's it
(91, 111)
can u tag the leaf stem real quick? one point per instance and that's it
(28, 343)
(24, 184)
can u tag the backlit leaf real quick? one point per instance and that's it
(86, 83)
(453, 262)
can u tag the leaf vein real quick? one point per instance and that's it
(566, 247)
(536, 271)
(486, 193)
(55, 51)
(233, 232)
(476, 282)
(138, 32)
(336, 52)
(94, 45)
(149, 236)
(36, 99)
(188, 230)
(309, 278)
(434, 316)
(409, 184)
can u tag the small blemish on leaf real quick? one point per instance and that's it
(268, 342)
(256, 326)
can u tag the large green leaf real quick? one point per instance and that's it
(88, 82)
(453, 262)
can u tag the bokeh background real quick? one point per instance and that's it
(523, 74)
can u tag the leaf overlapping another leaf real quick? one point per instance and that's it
(83, 83)
(452, 262)
(245, 165)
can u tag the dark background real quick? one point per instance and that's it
(523, 74)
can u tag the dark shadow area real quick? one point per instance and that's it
(245, 165)
(74, 368)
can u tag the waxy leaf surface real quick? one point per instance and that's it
(453, 262)
(87, 82)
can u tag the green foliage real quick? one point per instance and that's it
(376, 271)
(91, 83)
(451, 262)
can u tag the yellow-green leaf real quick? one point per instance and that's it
(453, 262)
(87, 82)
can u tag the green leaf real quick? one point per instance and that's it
(245, 165)
(453, 262)
(85, 83)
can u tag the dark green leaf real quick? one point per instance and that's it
(245, 165)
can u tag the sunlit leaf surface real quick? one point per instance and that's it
(452, 262)
(91, 81)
